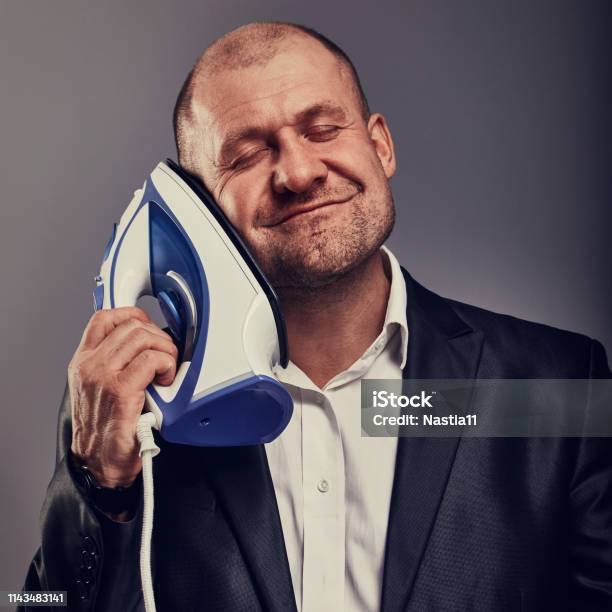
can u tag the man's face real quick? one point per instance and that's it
(296, 168)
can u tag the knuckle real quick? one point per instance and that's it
(79, 369)
(140, 312)
(125, 309)
(99, 317)
(148, 356)
(127, 324)
(136, 313)
(142, 363)
(170, 348)
(121, 381)
(139, 335)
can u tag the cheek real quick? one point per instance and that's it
(240, 201)
(357, 160)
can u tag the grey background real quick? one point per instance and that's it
(499, 113)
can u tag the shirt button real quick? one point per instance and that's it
(323, 486)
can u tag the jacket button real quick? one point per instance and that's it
(89, 544)
(88, 560)
(83, 588)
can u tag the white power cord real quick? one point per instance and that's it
(148, 450)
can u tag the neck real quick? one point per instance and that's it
(330, 327)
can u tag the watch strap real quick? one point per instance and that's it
(107, 499)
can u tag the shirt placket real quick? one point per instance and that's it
(324, 506)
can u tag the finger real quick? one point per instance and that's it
(148, 366)
(104, 321)
(117, 352)
(128, 328)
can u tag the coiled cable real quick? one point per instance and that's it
(148, 449)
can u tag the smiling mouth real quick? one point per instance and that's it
(308, 209)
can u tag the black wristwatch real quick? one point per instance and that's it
(113, 500)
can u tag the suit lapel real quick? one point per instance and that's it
(241, 479)
(440, 345)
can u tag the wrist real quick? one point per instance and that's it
(114, 501)
(105, 476)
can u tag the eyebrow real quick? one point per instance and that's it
(323, 108)
(232, 140)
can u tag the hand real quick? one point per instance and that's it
(121, 352)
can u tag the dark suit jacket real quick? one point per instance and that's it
(491, 525)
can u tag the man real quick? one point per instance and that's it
(273, 120)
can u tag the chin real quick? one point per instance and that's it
(323, 257)
(316, 269)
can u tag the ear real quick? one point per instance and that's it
(383, 143)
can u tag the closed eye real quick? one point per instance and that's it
(248, 159)
(322, 133)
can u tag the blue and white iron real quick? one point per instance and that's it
(174, 243)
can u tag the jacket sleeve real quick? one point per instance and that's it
(94, 559)
(590, 545)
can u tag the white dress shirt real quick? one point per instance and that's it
(333, 487)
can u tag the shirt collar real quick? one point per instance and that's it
(396, 306)
(395, 316)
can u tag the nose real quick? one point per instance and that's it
(297, 167)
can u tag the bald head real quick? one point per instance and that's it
(253, 44)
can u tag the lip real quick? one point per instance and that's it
(307, 209)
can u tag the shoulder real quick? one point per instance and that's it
(528, 347)
(511, 347)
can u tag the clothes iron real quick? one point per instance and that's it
(173, 242)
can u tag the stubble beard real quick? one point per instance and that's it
(317, 253)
